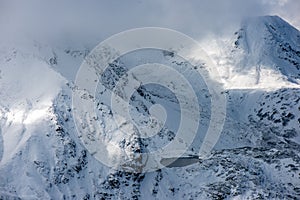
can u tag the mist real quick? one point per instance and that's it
(97, 20)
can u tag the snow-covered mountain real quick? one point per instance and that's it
(256, 157)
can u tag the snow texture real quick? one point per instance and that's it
(256, 157)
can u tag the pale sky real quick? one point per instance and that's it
(101, 19)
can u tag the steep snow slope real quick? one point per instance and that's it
(25, 97)
(276, 45)
(262, 53)
(257, 156)
(42, 156)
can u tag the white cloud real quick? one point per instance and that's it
(100, 19)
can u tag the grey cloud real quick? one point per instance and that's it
(100, 19)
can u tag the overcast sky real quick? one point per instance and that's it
(100, 19)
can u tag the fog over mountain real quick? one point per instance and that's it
(101, 19)
(255, 49)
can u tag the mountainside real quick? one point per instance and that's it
(275, 45)
(263, 52)
(256, 157)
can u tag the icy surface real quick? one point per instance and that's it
(257, 156)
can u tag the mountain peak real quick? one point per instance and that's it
(265, 19)
(269, 41)
(265, 23)
(260, 27)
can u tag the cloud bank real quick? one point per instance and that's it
(100, 19)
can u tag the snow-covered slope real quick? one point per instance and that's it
(257, 156)
(262, 53)
(275, 45)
